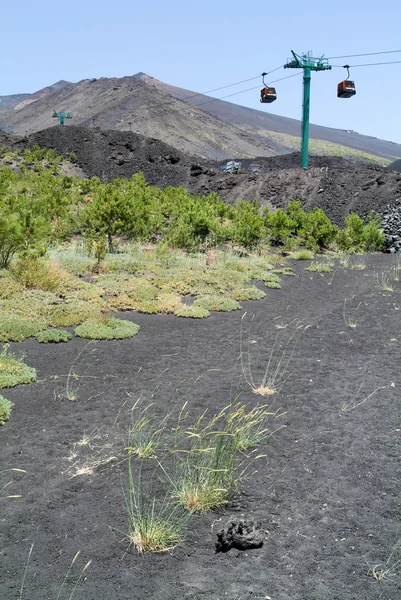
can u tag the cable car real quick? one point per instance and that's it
(346, 88)
(268, 94)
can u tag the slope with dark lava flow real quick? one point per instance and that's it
(334, 184)
(128, 103)
(267, 124)
(216, 129)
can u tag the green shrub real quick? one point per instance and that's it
(358, 237)
(217, 303)
(11, 238)
(108, 329)
(249, 292)
(279, 226)
(191, 312)
(38, 273)
(53, 336)
(5, 409)
(273, 285)
(318, 231)
(248, 224)
(13, 371)
(16, 328)
(297, 215)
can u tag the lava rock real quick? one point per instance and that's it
(239, 534)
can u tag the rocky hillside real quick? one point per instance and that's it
(335, 184)
(214, 130)
(127, 104)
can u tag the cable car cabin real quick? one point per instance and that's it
(346, 89)
(268, 94)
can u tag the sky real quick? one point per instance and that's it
(209, 44)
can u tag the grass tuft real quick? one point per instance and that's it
(13, 371)
(303, 255)
(154, 524)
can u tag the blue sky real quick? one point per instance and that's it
(207, 44)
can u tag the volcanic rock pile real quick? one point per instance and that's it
(391, 225)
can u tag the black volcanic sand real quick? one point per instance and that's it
(327, 493)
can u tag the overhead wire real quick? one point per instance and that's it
(367, 54)
(394, 62)
(243, 91)
(223, 87)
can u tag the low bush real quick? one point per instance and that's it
(38, 273)
(191, 312)
(273, 285)
(15, 328)
(217, 303)
(53, 336)
(5, 409)
(107, 329)
(249, 292)
(13, 371)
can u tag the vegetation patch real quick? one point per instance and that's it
(13, 371)
(273, 285)
(5, 409)
(16, 328)
(108, 329)
(303, 255)
(217, 303)
(53, 336)
(191, 312)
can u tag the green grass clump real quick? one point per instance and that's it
(53, 336)
(16, 328)
(208, 472)
(154, 524)
(249, 292)
(5, 409)
(73, 313)
(13, 371)
(304, 255)
(284, 271)
(273, 285)
(191, 312)
(217, 303)
(108, 329)
(319, 267)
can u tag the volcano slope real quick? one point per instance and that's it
(327, 491)
(336, 185)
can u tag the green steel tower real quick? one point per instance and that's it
(308, 64)
(61, 116)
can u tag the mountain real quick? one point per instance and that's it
(14, 103)
(129, 103)
(267, 125)
(216, 130)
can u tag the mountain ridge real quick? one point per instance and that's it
(195, 124)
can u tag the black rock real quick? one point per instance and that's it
(239, 534)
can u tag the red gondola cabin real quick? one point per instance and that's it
(268, 94)
(346, 89)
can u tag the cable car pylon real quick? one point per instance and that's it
(308, 64)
